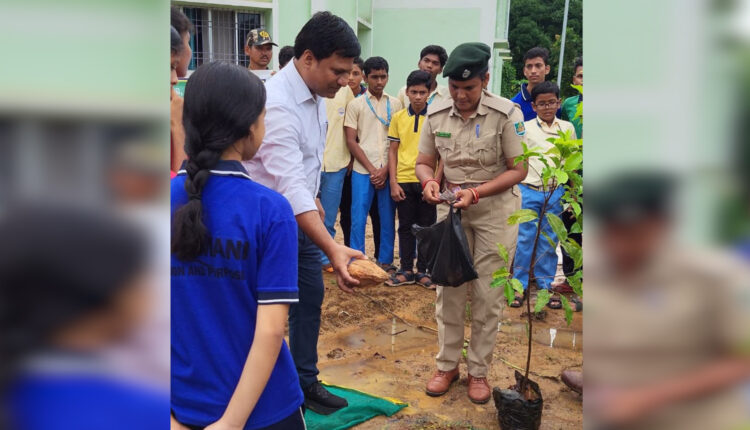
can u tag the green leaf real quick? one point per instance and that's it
(576, 282)
(557, 226)
(574, 251)
(521, 216)
(501, 273)
(502, 252)
(496, 282)
(574, 161)
(576, 208)
(549, 240)
(568, 310)
(517, 286)
(561, 176)
(509, 294)
(542, 298)
(576, 228)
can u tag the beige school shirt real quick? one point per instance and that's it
(441, 93)
(372, 134)
(536, 135)
(336, 155)
(474, 150)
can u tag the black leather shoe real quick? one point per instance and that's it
(321, 401)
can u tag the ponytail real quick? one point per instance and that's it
(222, 101)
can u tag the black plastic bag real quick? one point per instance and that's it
(447, 250)
(516, 413)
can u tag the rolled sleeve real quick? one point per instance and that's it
(283, 160)
(427, 139)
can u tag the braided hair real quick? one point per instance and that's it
(222, 101)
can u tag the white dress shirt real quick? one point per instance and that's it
(291, 155)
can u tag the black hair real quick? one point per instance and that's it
(175, 41)
(436, 50)
(537, 52)
(180, 22)
(58, 265)
(374, 63)
(326, 34)
(359, 62)
(285, 55)
(419, 77)
(222, 101)
(545, 87)
(577, 63)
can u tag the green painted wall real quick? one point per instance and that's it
(399, 35)
(292, 16)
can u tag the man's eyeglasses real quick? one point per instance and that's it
(547, 105)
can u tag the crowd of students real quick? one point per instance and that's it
(267, 159)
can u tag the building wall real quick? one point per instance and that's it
(393, 29)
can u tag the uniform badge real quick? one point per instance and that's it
(442, 134)
(264, 34)
(466, 73)
(520, 128)
(341, 111)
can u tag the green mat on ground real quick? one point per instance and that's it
(362, 407)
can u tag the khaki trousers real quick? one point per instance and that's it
(486, 225)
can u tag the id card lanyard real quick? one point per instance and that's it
(387, 108)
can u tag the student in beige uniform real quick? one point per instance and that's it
(366, 127)
(432, 59)
(477, 134)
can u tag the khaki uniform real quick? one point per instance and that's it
(469, 161)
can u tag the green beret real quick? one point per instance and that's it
(467, 60)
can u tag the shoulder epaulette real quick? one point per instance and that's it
(500, 104)
(439, 106)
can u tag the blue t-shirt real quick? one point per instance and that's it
(251, 261)
(523, 99)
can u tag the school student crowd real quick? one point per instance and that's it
(267, 168)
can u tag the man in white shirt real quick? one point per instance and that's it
(289, 161)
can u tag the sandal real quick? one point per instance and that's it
(554, 303)
(400, 278)
(518, 301)
(422, 283)
(389, 268)
(328, 268)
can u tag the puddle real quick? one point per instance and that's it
(390, 337)
(552, 337)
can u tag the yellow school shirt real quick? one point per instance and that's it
(405, 129)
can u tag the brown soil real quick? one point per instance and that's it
(357, 350)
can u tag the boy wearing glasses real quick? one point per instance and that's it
(545, 102)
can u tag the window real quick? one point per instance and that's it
(220, 34)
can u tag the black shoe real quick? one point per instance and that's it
(321, 401)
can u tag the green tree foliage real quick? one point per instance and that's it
(539, 23)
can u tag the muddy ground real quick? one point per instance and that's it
(357, 350)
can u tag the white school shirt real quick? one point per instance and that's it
(291, 155)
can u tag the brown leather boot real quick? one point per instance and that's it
(573, 379)
(479, 390)
(441, 382)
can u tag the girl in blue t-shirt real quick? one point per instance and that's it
(232, 278)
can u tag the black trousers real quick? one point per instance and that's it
(345, 207)
(568, 218)
(295, 421)
(412, 210)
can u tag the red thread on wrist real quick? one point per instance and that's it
(475, 192)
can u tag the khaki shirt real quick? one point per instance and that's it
(372, 134)
(336, 155)
(441, 93)
(475, 149)
(537, 133)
